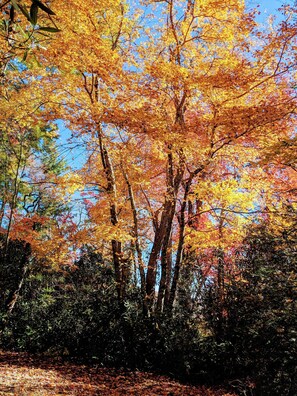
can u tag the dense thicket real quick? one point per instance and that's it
(248, 339)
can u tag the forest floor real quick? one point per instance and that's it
(23, 374)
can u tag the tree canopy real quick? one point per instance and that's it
(183, 116)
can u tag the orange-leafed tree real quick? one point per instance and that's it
(175, 111)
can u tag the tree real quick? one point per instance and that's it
(173, 130)
(29, 208)
(33, 200)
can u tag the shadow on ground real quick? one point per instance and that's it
(23, 374)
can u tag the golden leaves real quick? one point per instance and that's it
(69, 183)
(198, 94)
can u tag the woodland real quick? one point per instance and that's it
(148, 188)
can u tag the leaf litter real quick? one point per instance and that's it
(24, 374)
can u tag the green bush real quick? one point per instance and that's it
(260, 309)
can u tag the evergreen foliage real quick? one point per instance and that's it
(76, 313)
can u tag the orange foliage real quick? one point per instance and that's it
(180, 108)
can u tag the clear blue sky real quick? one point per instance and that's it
(267, 7)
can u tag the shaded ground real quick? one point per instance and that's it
(22, 374)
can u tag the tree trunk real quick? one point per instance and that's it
(180, 248)
(220, 282)
(112, 194)
(135, 232)
(164, 229)
(165, 254)
(14, 295)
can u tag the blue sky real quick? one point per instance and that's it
(270, 5)
(267, 7)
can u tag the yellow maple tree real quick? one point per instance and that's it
(174, 110)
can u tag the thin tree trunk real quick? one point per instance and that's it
(164, 269)
(180, 248)
(220, 281)
(14, 295)
(13, 202)
(135, 232)
(3, 203)
(112, 195)
(168, 274)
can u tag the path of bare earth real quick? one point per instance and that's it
(23, 374)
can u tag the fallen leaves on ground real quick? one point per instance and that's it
(23, 374)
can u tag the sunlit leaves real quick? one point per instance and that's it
(184, 120)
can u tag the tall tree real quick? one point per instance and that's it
(173, 124)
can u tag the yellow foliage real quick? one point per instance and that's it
(192, 99)
(70, 183)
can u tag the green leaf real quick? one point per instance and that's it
(34, 13)
(5, 23)
(21, 9)
(15, 5)
(50, 29)
(43, 7)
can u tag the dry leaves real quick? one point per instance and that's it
(23, 374)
